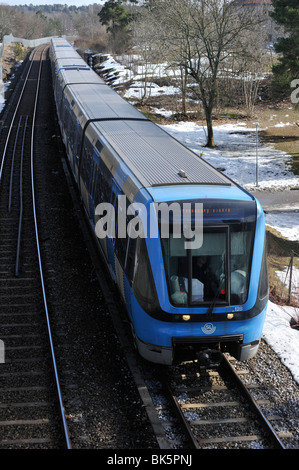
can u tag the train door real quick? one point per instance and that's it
(129, 265)
(92, 185)
(76, 148)
(116, 191)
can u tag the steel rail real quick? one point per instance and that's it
(21, 201)
(12, 163)
(194, 443)
(227, 367)
(14, 116)
(66, 432)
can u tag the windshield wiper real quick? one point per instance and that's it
(213, 303)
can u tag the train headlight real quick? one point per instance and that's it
(230, 316)
(186, 317)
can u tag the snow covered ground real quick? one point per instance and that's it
(2, 99)
(238, 155)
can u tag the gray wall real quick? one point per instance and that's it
(26, 42)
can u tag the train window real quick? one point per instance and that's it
(84, 166)
(130, 258)
(104, 185)
(218, 271)
(94, 173)
(73, 132)
(263, 283)
(198, 275)
(241, 248)
(77, 136)
(143, 282)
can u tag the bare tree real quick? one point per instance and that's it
(7, 20)
(144, 33)
(147, 33)
(204, 34)
(252, 70)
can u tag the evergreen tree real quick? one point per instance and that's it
(286, 14)
(115, 16)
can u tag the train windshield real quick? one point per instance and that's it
(218, 272)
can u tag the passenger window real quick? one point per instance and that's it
(130, 258)
(241, 246)
(104, 187)
(143, 283)
(263, 283)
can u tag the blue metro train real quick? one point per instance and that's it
(183, 300)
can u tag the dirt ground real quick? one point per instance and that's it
(280, 125)
(8, 61)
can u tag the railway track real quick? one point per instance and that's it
(31, 407)
(218, 409)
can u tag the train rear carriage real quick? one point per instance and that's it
(180, 298)
(60, 47)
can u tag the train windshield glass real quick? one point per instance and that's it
(218, 271)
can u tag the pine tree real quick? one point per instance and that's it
(286, 14)
(115, 16)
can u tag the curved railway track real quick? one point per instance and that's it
(31, 407)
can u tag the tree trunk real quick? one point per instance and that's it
(184, 90)
(210, 140)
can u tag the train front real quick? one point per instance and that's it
(208, 295)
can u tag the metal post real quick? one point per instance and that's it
(291, 275)
(256, 159)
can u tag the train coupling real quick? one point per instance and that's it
(209, 358)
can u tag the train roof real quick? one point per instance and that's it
(71, 62)
(66, 53)
(59, 41)
(81, 77)
(155, 158)
(151, 154)
(102, 103)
